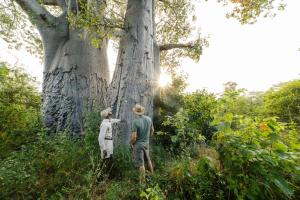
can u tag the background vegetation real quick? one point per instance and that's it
(236, 145)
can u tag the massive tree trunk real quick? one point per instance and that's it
(133, 80)
(75, 72)
(75, 81)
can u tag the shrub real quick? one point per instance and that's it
(284, 101)
(19, 109)
(53, 166)
(200, 110)
(153, 193)
(125, 189)
(258, 162)
(185, 134)
(187, 178)
(122, 163)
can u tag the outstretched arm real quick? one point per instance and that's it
(115, 120)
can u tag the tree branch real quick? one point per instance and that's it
(73, 6)
(163, 1)
(166, 47)
(36, 12)
(61, 3)
(50, 2)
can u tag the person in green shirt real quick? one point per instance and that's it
(142, 128)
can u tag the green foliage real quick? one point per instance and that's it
(247, 11)
(16, 30)
(185, 135)
(233, 104)
(284, 101)
(53, 166)
(258, 160)
(250, 156)
(153, 193)
(123, 163)
(123, 189)
(186, 177)
(236, 101)
(174, 25)
(101, 19)
(194, 179)
(19, 109)
(105, 20)
(191, 123)
(200, 107)
(168, 103)
(250, 145)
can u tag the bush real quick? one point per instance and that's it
(53, 166)
(187, 178)
(123, 165)
(19, 109)
(185, 134)
(195, 179)
(191, 124)
(200, 110)
(124, 189)
(284, 101)
(153, 193)
(258, 161)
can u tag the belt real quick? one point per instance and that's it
(108, 138)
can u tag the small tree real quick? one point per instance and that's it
(19, 108)
(284, 101)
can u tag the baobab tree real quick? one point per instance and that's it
(74, 40)
(75, 72)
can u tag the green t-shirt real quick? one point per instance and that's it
(142, 126)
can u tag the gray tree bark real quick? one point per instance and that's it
(75, 81)
(75, 73)
(133, 80)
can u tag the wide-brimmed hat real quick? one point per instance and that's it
(138, 109)
(106, 112)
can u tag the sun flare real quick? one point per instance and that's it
(164, 79)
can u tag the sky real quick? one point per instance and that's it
(254, 56)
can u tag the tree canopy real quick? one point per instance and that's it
(247, 11)
(283, 101)
(175, 31)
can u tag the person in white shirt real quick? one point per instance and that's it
(105, 137)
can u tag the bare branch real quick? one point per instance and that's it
(73, 6)
(163, 1)
(50, 2)
(36, 12)
(61, 3)
(166, 47)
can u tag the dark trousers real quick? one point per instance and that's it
(106, 166)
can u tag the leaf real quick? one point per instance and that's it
(283, 186)
(279, 146)
(174, 138)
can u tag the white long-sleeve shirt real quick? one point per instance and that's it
(105, 137)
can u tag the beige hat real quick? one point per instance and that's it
(106, 112)
(138, 109)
